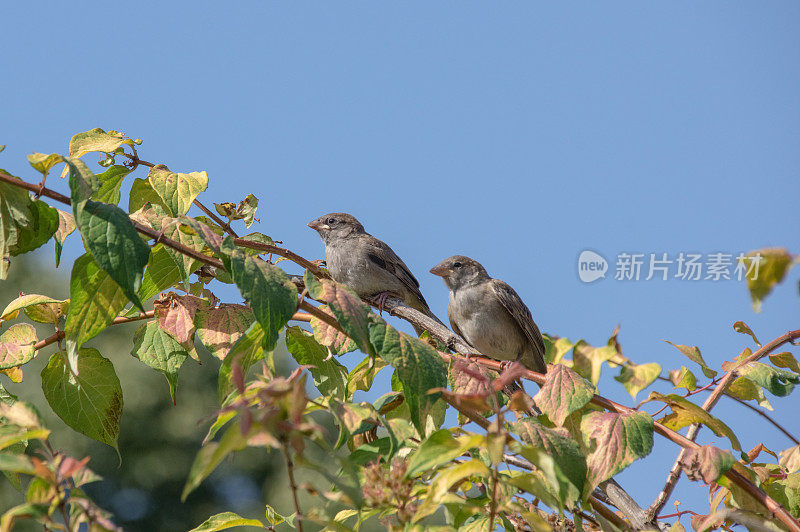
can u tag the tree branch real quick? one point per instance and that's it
(441, 333)
(710, 402)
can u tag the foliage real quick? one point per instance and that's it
(392, 460)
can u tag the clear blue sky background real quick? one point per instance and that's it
(516, 133)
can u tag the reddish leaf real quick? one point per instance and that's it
(707, 463)
(331, 337)
(219, 328)
(176, 315)
(616, 440)
(562, 393)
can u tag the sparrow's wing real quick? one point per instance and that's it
(384, 257)
(453, 324)
(521, 314)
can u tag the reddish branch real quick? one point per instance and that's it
(710, 402)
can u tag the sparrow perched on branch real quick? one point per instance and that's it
(489, 314)
(365, 264)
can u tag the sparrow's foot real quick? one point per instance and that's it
(380, 300)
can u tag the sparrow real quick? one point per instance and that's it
(365, 264)
(489, 314)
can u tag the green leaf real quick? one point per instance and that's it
(440, 448)
(637, 377)
(555, 351)
(14, 209)
(245, 210)
(448, 479)
(111, 183)
(89, 401)
(361, 377)
(741, 327)
(43, 162)
(161, 273)
(785, 360)
(142, 193)
(418, 366)
(82, 181)
(95, 300)
(557, 444)
(220, 328)
(588, 360)
(773, 265)
(177, 190)
(684, 413)
(17, 345)
(248, 350)
(707, 463)
(211, 455)
(747, 390)
(693, 354)
(157, 218)
(66, 225)
(22, 511)
(224, 521)
(683, 378)
(563, 393)
(616, 441)
(115, 245)
(98, 140)
(157, 349)
(779, 382)
(40, 227)
(39, 308)
(272, 296)
(330, 377)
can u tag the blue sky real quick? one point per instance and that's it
(518, 133)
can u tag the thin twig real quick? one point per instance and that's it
(290, 468)
(283, 252)
(222, 223)
(58, 336)
(710, 402)
(755, 409)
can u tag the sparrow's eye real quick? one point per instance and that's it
(456, 265)
(330, 221)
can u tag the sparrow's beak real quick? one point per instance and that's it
(439, 270)
(317, 225)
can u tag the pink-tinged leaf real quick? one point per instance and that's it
(562, 393)
(176, 314)
(348, 309)
(707, 463)
(332, 338)
(219, 328)
(790, 459)
(467, 377)
(615, 440)
(17, 345)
